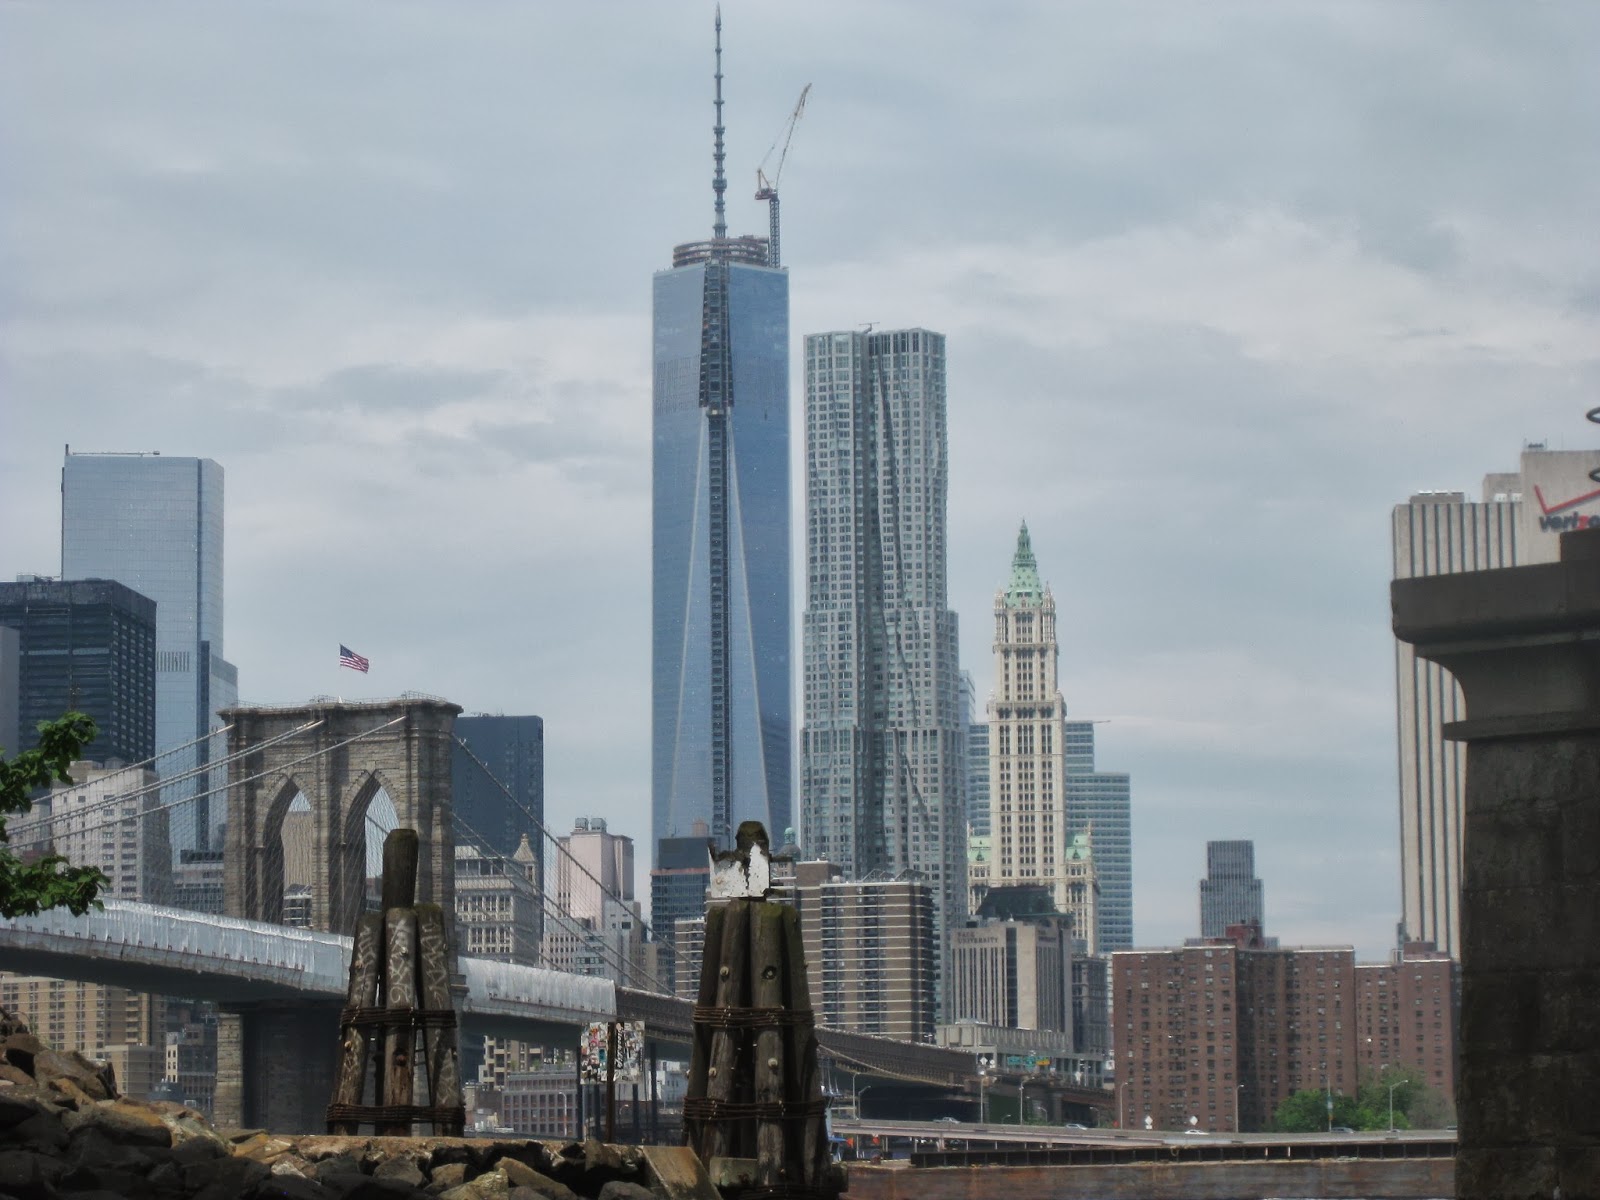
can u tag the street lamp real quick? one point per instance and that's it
(983, 1081)
(1327, 1084)
(1392, 1087)
(1022, 1102)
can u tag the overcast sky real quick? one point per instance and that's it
(1222, 284)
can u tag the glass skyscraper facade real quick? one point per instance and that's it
(1100, 803)
(884, 752)
(512, 747)
(86, 646)
(748, 556)
(154, 523)
(1230, 894)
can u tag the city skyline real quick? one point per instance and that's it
(1203, 350)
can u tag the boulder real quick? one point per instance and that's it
(446, 1176)
(41, 1132)
(401, 1170)
(29, 1175)
(621, 1189)
(292, 1187)
(521, 1175)
(492, 1185)
(121, 1121)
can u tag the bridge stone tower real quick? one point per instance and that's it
(342, 755)
(270, 1068)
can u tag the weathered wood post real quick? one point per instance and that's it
(755, 1112)
(399, 989)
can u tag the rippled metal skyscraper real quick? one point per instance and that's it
(720, 603)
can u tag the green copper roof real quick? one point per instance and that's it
(1025, 586)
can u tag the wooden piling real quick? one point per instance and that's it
(400, 1037)
(440, 1038)
(355, 1037)
(399, 988)
(770, 999)
(813, 1152)
(727, 1076)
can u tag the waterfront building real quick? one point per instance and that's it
(1224, 1030)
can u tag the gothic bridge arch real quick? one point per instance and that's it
(406, 752)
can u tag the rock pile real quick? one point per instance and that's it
(65, 1133)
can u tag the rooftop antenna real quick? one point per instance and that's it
(719, 184)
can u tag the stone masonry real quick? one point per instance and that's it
(275, 1063)
(1524, 643)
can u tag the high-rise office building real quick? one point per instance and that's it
(1517, 522)
(720, 574)
(977, 758)
(154, 523)
(85, 646)
(512, 747)
(595, 926)
(1230, 894)
(1011, 963)
(678, 895)
(1100, 805)
(10, 691)
(884, 757)
(1027, 746)
(1055, 820)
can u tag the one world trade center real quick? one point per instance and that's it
(720, 603)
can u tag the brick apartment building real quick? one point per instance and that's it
(1216, 1034)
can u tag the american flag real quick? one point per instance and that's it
(349, 658)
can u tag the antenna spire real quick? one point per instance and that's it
(719, 183)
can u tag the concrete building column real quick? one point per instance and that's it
(275, 1065)
(1524, 643)
(227, 1105)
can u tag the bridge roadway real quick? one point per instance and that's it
(1402, 1143)
(176, 952)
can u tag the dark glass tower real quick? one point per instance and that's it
(720, 603)
(512, 747)
(87, 646)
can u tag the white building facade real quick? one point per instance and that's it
(1518, 521)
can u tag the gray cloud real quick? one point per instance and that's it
(1222, 284)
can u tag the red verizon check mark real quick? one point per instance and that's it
(1555, 508)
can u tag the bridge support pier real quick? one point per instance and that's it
(1524, 644)
(275, 1065)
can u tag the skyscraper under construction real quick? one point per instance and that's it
(720, 603)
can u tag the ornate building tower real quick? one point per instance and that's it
(1031, 842)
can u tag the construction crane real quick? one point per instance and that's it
(768, 189)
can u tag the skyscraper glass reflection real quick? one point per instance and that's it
(154, 524)
(720, 603)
